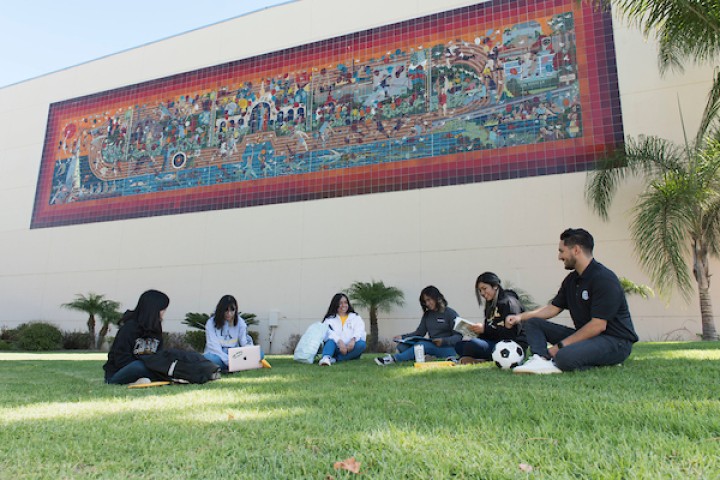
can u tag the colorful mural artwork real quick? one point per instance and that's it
(502, 89)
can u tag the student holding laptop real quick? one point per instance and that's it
(227, 330)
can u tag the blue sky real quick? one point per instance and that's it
(43, 36)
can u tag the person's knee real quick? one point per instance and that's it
(567, 361)
(534, 322)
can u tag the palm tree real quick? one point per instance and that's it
(109, 315)
(93, 304)
(677, 216)
(376, 297)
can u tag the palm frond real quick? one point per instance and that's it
(711, 113)
(375, 294)
(670, 57)
(660, 231)
(92, 304)
(649, 157)
(688, 30)
(196, 320)
(712, 226)
(711, 211)
(632, 288)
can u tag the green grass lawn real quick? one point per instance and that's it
(658, 416)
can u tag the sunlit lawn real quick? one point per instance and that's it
(658, 416)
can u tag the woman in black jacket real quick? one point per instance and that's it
(498, 304)
(140, 334)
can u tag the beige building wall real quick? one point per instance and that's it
(289, 259)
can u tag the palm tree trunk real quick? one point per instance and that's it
(91, 327)
(701, 270)
(373, 329)
(706, 313)
(102, 334)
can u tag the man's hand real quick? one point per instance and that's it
(437, 342)
(512, 320)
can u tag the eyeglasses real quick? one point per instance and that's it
(231, 309)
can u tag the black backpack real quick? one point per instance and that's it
(182, 366)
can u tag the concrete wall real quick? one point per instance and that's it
(291, 258)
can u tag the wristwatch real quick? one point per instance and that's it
(560, 345)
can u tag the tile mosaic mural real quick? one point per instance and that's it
(502, 89)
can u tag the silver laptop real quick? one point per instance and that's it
(244, 358)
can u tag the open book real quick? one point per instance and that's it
(413, 339)
(461, 325)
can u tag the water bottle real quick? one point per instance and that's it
(419, 352)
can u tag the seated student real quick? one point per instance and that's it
(437, 322)
(604, 333)
(225, 329)
(140, 334)
(499, 303)
(346, 332)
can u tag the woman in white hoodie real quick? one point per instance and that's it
(346, 332)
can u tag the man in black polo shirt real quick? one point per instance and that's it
(603, 333)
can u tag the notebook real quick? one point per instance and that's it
(244, 358)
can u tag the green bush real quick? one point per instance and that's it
(196, 339)
(176, 341)
(4, 345)
(9, 335)
(77, 341)
(38, 336)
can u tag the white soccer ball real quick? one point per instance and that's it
(508, 354)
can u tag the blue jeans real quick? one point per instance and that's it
(130, 373)
(215, 358)
(331, 350)
(594, 352)
(407, 352)
(476, 348)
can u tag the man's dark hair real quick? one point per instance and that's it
(578, 236)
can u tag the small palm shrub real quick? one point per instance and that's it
(39, 336)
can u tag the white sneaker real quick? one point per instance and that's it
(325, 361)
(141, 381)
(537, 365)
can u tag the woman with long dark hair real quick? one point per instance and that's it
(346, 332)
(224, 330)
(498, 303)
(437, 322)
(140, 334)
